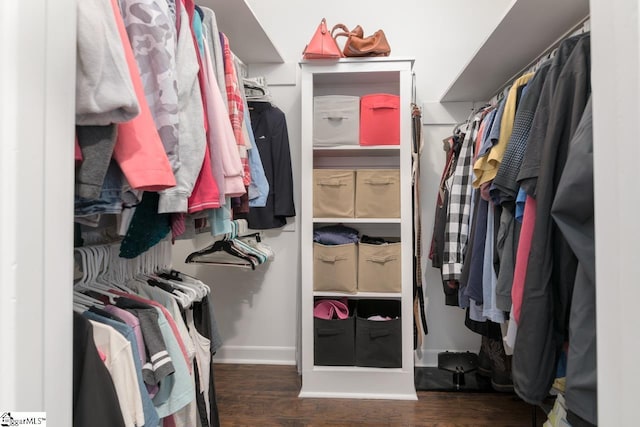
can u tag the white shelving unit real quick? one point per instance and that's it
(356, 76)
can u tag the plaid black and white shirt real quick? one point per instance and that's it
(459, 212)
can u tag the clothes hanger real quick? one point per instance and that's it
(187, 279)
(198, 286)
(220, 246)
(90, 266)
(104, 277)
(79, 308)
(80, 297)
(192, 294)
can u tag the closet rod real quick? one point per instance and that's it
(580, 26)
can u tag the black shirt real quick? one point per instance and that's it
(272, 140)
(95, 402)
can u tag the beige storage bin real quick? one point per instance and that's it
(377, 193)
(335, 267)
(379, 268)
(333, 193)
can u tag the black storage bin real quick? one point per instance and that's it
(334, 340)
(378, 343)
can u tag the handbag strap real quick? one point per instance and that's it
(345, 31)
(323, 26)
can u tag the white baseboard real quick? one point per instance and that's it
(256, 355)
(271, 355)
(381, 396)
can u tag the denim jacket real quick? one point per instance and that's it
(259, 187)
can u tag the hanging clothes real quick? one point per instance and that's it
(552, 265)
(486, 167)
(104, 91)
(224, 144)
(119, 361)
(148, 21)
(459, 210)
(505, 185)
(206, 192)
(210, 26)
(522, 276)
(191, 133)
(138, 149)
(573, 212)
(235, 107)
(272, 140)
(96, 144)
(95, 402)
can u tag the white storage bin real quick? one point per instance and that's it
(336, 120)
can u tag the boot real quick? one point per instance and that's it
(500, 367)
(484, 361)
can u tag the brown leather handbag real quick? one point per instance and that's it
(358, 45)
(322, 44)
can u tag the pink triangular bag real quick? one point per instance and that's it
(322, 44)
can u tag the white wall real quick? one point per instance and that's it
(256, 311)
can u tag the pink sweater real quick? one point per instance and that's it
(522, 257)
(221, 134)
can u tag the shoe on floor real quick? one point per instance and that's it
(484, 361)
(500, 367)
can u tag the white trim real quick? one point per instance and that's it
(380, 396)
(615, 67)
(256, 355)
(9, 23)
(57, 239)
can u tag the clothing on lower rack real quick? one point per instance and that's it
(157, 339)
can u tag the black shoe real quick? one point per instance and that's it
(500, 367)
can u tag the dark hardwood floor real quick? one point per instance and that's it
(265, 395)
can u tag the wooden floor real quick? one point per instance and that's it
(261, 395)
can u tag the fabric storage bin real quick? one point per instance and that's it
(334, 340)
(378, 342)
(333, 193)
(377, 193)
(379, 267)
(336, 120)
(335, 267)
(380, 119)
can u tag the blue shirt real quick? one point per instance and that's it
(520, 201)
(176, 390)
(259, 187)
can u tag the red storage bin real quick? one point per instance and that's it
(380, 119)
